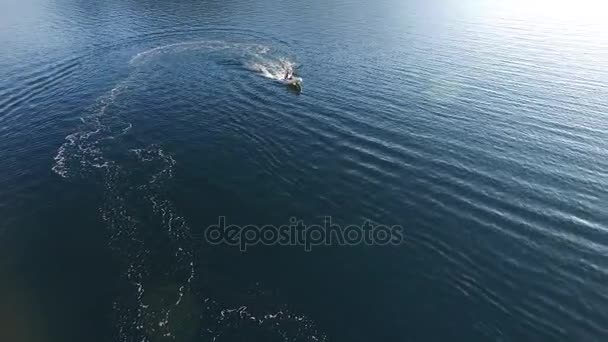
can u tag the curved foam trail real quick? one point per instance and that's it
(257, 57)
(206, 45)
(83, 154)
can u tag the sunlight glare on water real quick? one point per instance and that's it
(580, 12)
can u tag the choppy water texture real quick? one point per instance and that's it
(127, 127)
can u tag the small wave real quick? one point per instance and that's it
(40, 86)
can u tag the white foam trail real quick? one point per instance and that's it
(176, 47)
(82, 153)
(208, 45)
(258, 57)
(83, 144)
(272, 68)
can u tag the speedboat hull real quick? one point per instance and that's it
(294, 82)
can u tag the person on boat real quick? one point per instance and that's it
(289, 74)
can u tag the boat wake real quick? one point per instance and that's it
(160, 298)
(272, 68)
